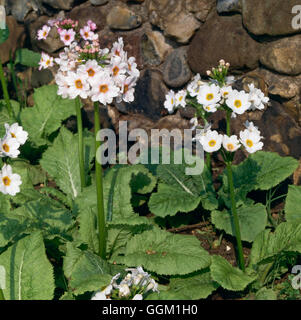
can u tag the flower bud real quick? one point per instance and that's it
(222, 62)
(208, 73)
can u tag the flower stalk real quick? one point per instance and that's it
(1, 295)
(5, 92)
(99, 189)
(80, 143)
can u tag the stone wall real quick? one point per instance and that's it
(174, 39)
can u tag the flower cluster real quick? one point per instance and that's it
(135, 286)
(86, 70)
(14, 137)
(218, 93)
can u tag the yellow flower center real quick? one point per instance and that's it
(226, 93)
(5, 147)
(115, 71)
(91, 72)
(181, 98)
(212, 143)
(13, 135)
(67, 37)
(230, 146)
(172, 101)
(86, 34)
(126, 88)
(249, 143)
(103, 88)
(48, 62)
(78, 84)
(237, 103)
(6, 181)
(207, 108)
(209, 96)
(44, 34)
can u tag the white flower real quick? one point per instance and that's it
(43, 33)
(180, 98)
(132, 67)
(91, 68)
(238, 101)
(138, 297)
(257, 98)
(46, 61)
(170, 102)
(78, 85)
(209, 95)
(230, 143)
(230, 80)
(67, 36)
(210, 140)
(194, 86)
(124, 291)
(251, 140)
(153, 285)
(225, 91)
(100, 295)
(9, 182)
(210, 107)
(86, 33)
(127, 90)
(117, 68)
(9, 147)
(103, 88)
(63, 86)
(17, 132)
(194, 122)
(117, 48)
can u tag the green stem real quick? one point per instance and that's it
(5, 91)
(99, 189)
(241, 262)
(1, 295)
(208, 160)
(228, 123)
(80, 143)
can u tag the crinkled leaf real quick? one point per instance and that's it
(27, 57)
(4, 116)
(165, 253)
(293, 205)
(29, 275)
(227, 276)
(47, 114)
(252, 220)
(266, 294)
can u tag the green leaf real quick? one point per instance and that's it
(266, 294)
(180, 192)
(165, 253)
(85, 270)
(252, 220)
(46, 116)
(194, 287)
(227, 276)
(61, 162)
(4, 116)
(29, 275)
(293, 205)
(27, 57)
(4, 34)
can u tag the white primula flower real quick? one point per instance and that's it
(91, 68)
(231, 144)
(78, 85)
(117, 48)
(238, 101)
(104, 89)
(127, 90)
(210, 140)
(138, 296)
(9, 147)
(153, 285)
(194, 122)
(43, 33)
(63, 86)
(67, 36)
(86, 33)
(194, 86)
(257, 98)
(100, 295)
(225, 91)
(210, 107)
(46, 61)
(132, 67)
(170, 102)
(17, 132)
(209, 94)
(117, 68)
(251, 140)
(124, 291)
(9, 182)
(180, 98)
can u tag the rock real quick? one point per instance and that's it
(20, 9)
(59, 4)
(223, 37)
(224, 6)
(123, 19)
(200, 8)
(154, 48)
(41, 77)
(176, 71)
(15, 40)
(51, 44)
(149, 96)
(98, 2)
(172, 17)
(269, 17)
(283, 55)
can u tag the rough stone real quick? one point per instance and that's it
(200, 8)
(20, 9)
(283, 55)
(176, 71)
(269, 17)
(223, 37)
(99, 2)
(149, 96)
(123, 19)
(59, 4)
(15, 40)
(173, 18)
(154, 48)
(41, 77)
(225, 6)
